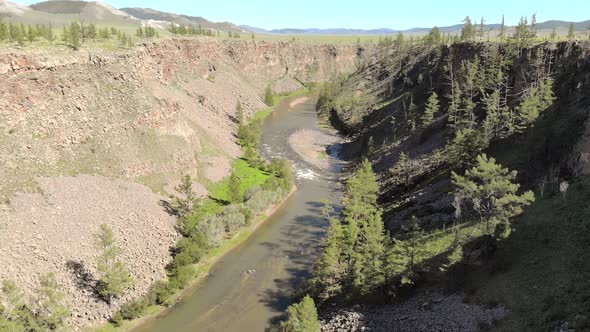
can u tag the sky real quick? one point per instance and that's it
(363, 14)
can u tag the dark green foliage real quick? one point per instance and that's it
(236, 195)
(183, 204)
(468, 31)
(490, 190)
(434, 36)
(301, 317)
(74, 36)
(45, 311)
(432, 107)
(571, 33)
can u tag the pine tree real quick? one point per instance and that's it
(434, 36)
(571, 34)
(503, 29)
(31, 34)
(553, 35)
(490, 189)
(432, 107)
(74, 37)
(329, 270)
(269, 96)
(534, 25)
(481, 31)
(467, 32)
(183, 204)
(234, 190)
(114, 276)
(301, 317)
(3, 31)
(49, 306)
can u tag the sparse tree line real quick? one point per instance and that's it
(184, 30)
(73, 35)
(525, 34)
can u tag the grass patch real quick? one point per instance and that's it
(249, 177)
(542, 271)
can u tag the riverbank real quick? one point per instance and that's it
(250, 177)
(203, 268)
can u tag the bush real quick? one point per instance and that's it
(161, 292)
(181, 276)
(233, 218)
(262, 199)
(213, 229)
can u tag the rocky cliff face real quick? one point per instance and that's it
(85, 136)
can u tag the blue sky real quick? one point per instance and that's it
(363, 14)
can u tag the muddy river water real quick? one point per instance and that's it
(252, 285)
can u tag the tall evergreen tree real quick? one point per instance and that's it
(493, 195)
(74, 37)
(432, 107)
(502, 29)
(114, 276)
(301, 317)
(468, 31)
(571, 34)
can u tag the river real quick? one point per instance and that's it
(278, 255)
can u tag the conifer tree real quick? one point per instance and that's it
(301, 317)
(114, 276)
(432, 107)
(571, 34)
(74, 37)
(183, 204)
(235, 191)
(553, 35)
(493, 195)
(49, 306)
(3, 31)
(468, 31)
(502, 29)
(269, 96)
(481, 31)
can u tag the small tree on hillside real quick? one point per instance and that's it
(183, 204)
(571, 34)
(432, 107)
(301, 317)
(493, 195)
(49, 308)
(115, 277)
(269, 96)
(235, 190)
(74, 37)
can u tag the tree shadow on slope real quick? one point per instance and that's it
(84, 279)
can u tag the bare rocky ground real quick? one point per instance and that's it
(88, 138)
(424, 313)
(55, 232)
(311, 146)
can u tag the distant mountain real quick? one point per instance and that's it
(60, 12)
(543, 28)
(155, 15)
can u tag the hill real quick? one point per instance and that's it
(149, 14)
(544, 28)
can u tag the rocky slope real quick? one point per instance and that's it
(379, 107)
(98, 137)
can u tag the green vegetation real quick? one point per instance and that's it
(183, 30)
(432, 107)
(114, 276)
(301, 317)
(213, 224)
(44, 311)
